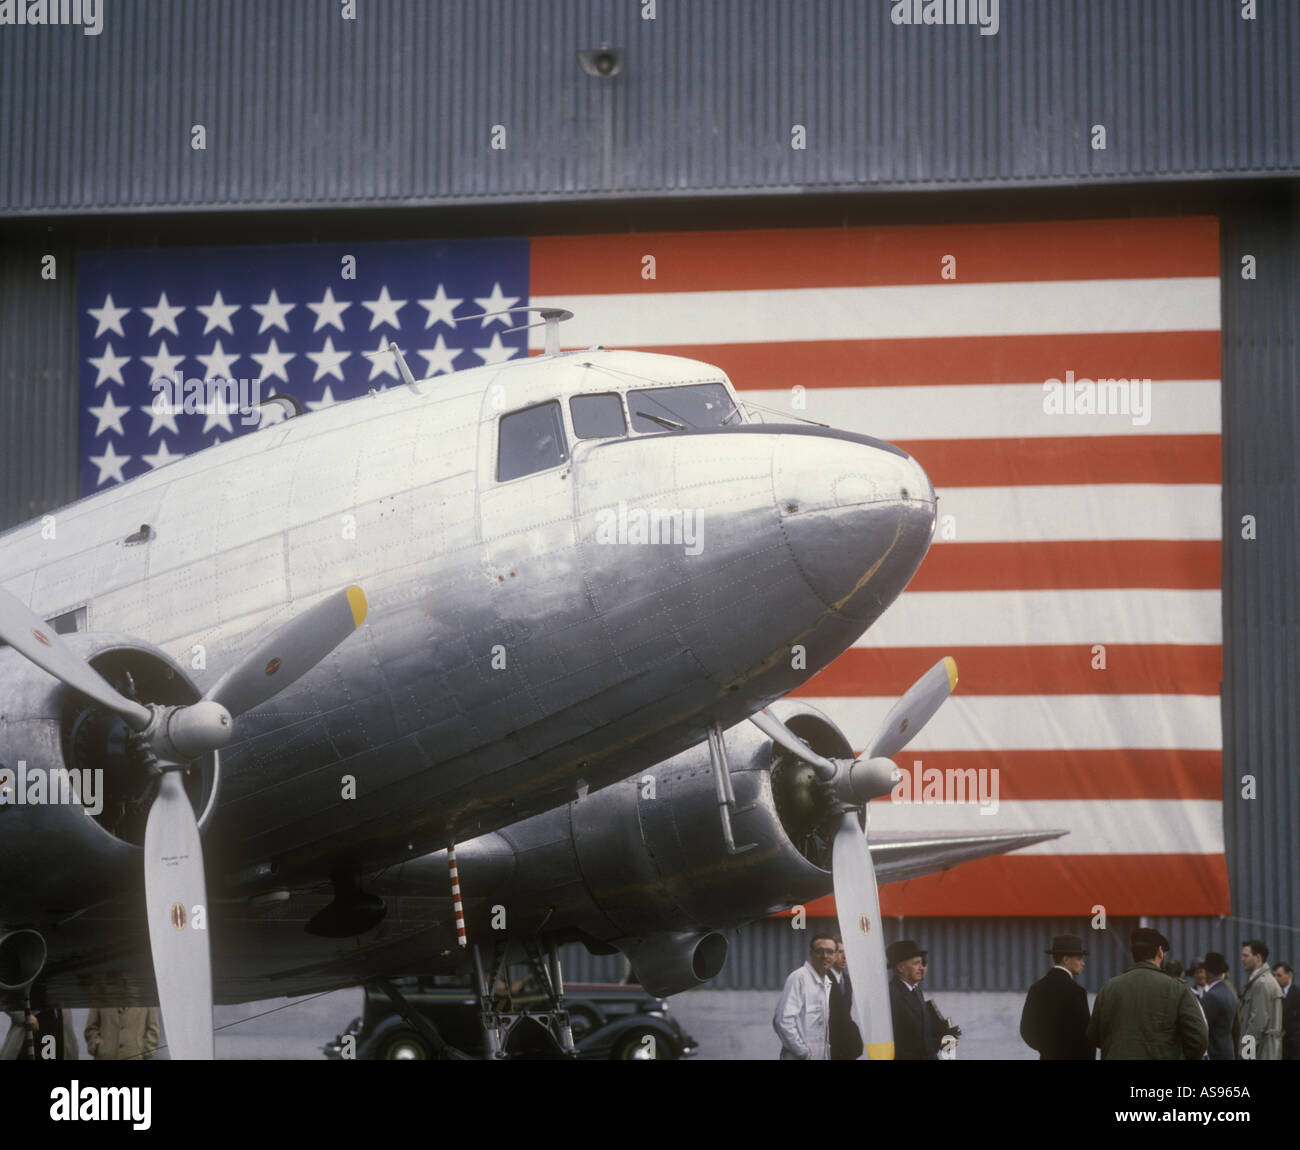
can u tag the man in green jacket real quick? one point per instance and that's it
(1145, 1014)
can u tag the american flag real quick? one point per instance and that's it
(1075, 571)
(300, 319)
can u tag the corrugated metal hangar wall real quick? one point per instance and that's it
(324, 128)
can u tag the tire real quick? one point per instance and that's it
(633, 1047)
(584, 1020)
(402, 1044)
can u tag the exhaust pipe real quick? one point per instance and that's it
(22, 958)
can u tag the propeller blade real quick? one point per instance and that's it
(914, 709)
(780, 734)
(29, 635)
(290, 652)
(858, 906)
(174, 886)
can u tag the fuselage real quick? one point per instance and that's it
(574, 565)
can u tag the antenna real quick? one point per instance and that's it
(552, 317)
(390, 348)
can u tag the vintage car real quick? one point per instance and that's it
(609, 1020)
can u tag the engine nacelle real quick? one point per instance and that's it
(642, 865)
(70, 821)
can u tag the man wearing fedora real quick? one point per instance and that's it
(1145, 1014)
(1220, 1005)
(1055, 1018)
(914, 1031)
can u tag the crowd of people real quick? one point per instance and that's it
(1154, 1010)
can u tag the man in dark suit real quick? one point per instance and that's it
(1055, 1019)
(1219, 1002)
(846, 1038)
(1290, 1013)
(914, 1036)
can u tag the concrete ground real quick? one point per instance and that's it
(728, 1024)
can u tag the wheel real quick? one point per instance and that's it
(642, 1044)
(584, 1020)
(402, 1045)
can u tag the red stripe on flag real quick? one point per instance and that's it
(1168, 564)
(1082, 459)
(1029, 776)
(851, 257)
(958, 359)
(1131, 669)
(1056, 885)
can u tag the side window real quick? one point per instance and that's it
(597, 416)
(531, 440)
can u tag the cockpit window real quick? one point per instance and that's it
(531, 440)
(597, 416)
(677, 408)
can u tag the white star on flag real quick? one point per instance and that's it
(272, 361)
(329, 311)
(108, 317)
(108, 414)
(495, 352)
(384, 309)
(160, 414)
(273, 313)
(326, 399)
(162, 456)
(217, 413)
(163, 315)
(218, 364)
(110, 464)
(440, 308)
(440, 357)
(109, 365)
(218, 314)
(497, 302)
(164, 365)
(327, 361)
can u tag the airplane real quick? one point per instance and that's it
(456, 671)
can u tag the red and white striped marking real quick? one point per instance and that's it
(457, 905)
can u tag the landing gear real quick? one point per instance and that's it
(526, 1017)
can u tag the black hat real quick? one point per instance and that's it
(1066, 944)
(902, 950)
(1215, 963)
(1152, 937)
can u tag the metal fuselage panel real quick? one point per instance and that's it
(512, 652)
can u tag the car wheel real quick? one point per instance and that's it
(584, 1020)
(403, 1046)
(642, 1045)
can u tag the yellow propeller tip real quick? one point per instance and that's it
(950, 665)
(880, 1051)
(357, 601)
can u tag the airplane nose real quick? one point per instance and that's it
(858, 516)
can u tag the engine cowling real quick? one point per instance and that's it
(642, 866)
(71, 820)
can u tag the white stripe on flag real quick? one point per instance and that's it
(903, 311)
(1042, 722)
(1081, 511)
(988, 411)
(1014, 618)
(1115, 826)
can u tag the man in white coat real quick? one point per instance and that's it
(803, 1015)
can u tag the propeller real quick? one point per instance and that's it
(852, 783)
(170, 738)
